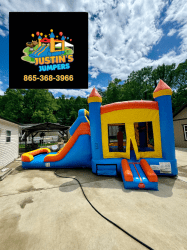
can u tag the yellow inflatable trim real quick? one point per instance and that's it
(29, 156)
(94, 99)
(162, 92)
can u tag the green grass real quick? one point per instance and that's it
(39, 145)
(27, 57)
(68, 52)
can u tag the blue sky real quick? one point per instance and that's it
(123, 36)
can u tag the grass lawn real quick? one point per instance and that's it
(27, 57)
(39, 145)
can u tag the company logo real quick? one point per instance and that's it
(49, 53)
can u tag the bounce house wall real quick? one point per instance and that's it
(95, 128)
(129, 117)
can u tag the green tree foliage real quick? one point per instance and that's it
(39, 105)
(68, 109)
(113, 91)
(12, 104)
(166, 73)
(179, 98)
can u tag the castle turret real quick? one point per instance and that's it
(162, 95)
(94, 101)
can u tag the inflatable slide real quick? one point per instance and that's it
(76, 153)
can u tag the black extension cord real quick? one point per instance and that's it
(103, 215)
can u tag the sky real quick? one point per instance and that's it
(123, 36)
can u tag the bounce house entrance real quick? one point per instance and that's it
(144, 136)
(132, 152)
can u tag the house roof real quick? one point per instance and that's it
(184, 106)
(47, 126)
(9, 120)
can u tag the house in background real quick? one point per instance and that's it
(180, 127)
(9, 141)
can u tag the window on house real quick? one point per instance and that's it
(117, 137)
(8, 136)
(144, 136)
(185, 132)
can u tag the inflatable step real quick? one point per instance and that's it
(106, 169)
(138, 175)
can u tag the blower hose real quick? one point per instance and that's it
(103, 215)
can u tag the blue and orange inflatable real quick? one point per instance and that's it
(133, 138)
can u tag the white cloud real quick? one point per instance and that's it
(171, 32)
(121, 34)
(2, 92)
(177, 12)
(101, 87)
(73, 92)
(3, 32)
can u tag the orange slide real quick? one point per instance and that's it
(82, 129)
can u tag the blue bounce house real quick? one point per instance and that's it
(133, 138)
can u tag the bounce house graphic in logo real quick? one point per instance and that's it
(51, 53)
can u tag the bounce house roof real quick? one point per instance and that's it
(129, 105)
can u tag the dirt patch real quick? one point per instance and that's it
(29, 189)
(26, 201)
(17, 170)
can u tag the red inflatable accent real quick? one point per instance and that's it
(126, 170)
(161, 86)
(141, 185)
(151, 176)
(94, 93)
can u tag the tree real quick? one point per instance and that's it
(113, 91)
(166, 73)
(39, 105)
(12, 104)
(180, 75)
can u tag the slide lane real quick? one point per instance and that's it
(36, 51)
(83, 129)
(138, 175)
(43, 52)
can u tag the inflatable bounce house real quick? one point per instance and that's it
(132, 138)
(49, 47)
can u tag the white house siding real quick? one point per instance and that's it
(9, 151)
